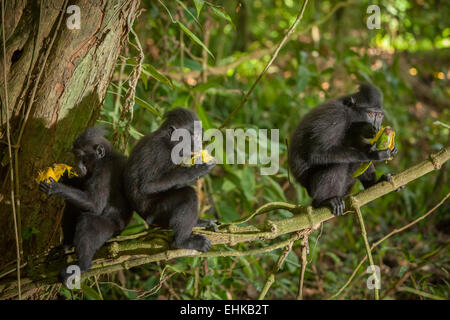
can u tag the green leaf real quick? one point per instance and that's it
(204, 118)
(361, 169)
(303, 76)
(150, 107)
(187, 10)
(194, 37)
(168, 11)
(148, 69)
(133, 229)
(198, 5)
(90, 293)
(222, 14)
(276, 188)
(28, 233)
(147, 105)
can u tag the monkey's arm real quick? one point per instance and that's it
(177, 177)
(337, 155)
(369, 177)
(343, 154)
(76, 197)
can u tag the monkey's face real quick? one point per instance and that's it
(86, 159)
(194, 136)
(374, 117)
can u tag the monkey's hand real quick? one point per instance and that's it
(205, 167)
(380, 155)
(49, 188)
(394, 151)
(388, 177)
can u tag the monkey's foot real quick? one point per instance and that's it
(388, 177)
(337, 205)
(196, 241)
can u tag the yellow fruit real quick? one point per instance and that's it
(55, 172)
(384, 139)
(205, 157)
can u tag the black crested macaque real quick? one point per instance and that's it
(329, 144)
(158, 189)
(96, 207)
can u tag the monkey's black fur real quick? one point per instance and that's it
(159, 190)
(328, 146)
(96, 206)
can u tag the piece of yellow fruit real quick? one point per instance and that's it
(55, 172)
(205, 157)
(384, 139)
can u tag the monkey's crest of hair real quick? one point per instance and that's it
(92, 136)
(180, 116)
(368, 95)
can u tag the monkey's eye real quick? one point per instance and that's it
(371, 114)
(380, 115)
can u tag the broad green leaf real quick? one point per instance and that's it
(191, 35)
(189, 12)
(150, 107)
(136, 228)
(276, 188)
(90, 293)
(147, 105)
(222, 14)
(204, 118)
(198, 5)
(148, 69)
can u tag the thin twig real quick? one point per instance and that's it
(274, 56)
(27, 114)
(222, 69)
(121, 255)
(42, 67)
(11, 168)
(304, 261)
(98, 288)
(118, 90)
(355, 205)
(120, 138)
(271, 278)
(374, 245)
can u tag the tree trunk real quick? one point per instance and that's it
(57, 80)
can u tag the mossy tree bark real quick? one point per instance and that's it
(57, 79)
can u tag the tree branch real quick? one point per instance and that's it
(131, 251)
(272, 59)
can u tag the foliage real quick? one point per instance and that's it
(191, 50)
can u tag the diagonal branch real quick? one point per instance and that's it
(131, 251)
(395, 231)
(357, 208)
(274, 56)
